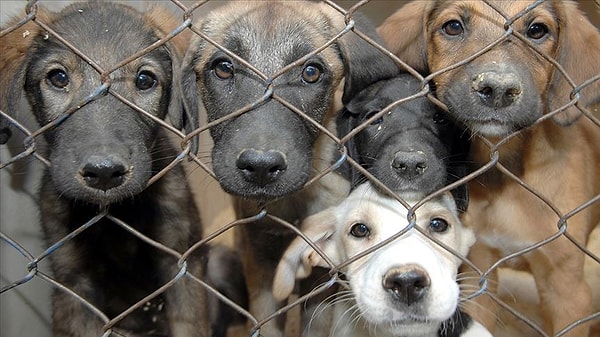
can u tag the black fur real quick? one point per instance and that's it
(412, 148)
(456, 325)
(102, 157)
(266, 152)
(224, 271)
(5, 131)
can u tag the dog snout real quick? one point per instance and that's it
(410, 164)
(408, 284)
(261, 167)
(497, 89)
(104, 172)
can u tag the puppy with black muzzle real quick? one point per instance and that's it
(413, 149)
(407, 286)
(268, 87)
(104, 147)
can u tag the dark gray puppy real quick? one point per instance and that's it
(102, 157)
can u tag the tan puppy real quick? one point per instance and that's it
(507, 89)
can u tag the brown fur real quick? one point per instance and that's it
(13, 48)
(104, 264)
(558, 157)
(271, 35)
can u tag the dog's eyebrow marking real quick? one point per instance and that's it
(463, 11)
(238, 46)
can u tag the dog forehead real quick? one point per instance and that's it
(103, 31)
(498, 14)
(387, 215)
(271, 35)
(385, 212)
(513, 8)
(366, 205)
(269, 19)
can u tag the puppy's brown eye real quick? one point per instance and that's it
(311, 73)
(58, 78)
(453, 28)
(224, 70)
(537, 30)
(438, 225)
(145, 80)
(359, 230)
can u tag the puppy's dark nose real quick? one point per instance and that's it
(104, 172)
(408, 284)
(496, 89)
(409, 164)
(261, 167)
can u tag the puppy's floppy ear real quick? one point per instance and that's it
(466, 236)
(363, 63)
(299, 258)
(5, 132)
(190, 92)
(347, 120)
(164, 24)
(180, 114)
(13, 48)
(404, 32)
(458, 167)
(578, 50)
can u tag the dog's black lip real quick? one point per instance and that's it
(261, 194)
(115, 195)
(105, 198)
(489, 121)
(269, 192)
(481, 113)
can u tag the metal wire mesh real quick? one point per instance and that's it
(32, 265)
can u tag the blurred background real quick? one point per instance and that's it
(25, 310)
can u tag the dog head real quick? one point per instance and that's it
(100, 147)
(412, 149)
(263, 141)
(509, 81)
(409, 284)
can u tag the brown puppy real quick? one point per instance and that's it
(265, 151)
(103, 153)
(507, 89)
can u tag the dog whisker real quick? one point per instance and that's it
(353, 314)
(328, 303)
(471, 305)
(102, 158)
(373, 304)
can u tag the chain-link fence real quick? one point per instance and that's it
(27, 279)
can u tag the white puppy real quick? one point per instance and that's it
(405, 288)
